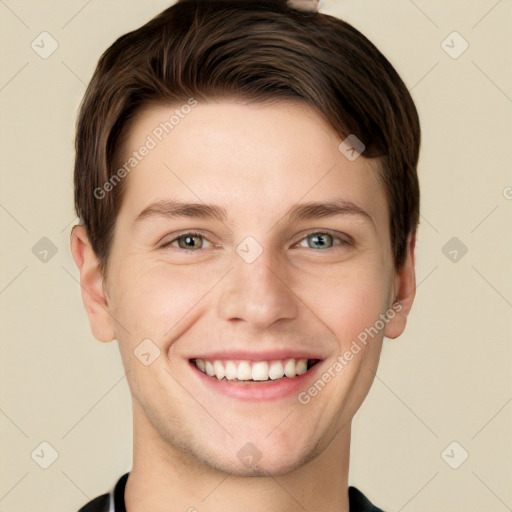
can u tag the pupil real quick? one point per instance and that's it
(189, 241)
(321, 240)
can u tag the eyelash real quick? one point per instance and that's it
(342, 241)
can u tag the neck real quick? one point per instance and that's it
(165, 479)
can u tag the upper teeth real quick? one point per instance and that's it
(252, 370)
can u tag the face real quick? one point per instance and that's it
(249, 246)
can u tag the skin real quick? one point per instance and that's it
(256, 162)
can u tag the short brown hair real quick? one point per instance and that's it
(255, 51)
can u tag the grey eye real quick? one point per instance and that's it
(319, 241)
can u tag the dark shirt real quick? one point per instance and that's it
(114, 500)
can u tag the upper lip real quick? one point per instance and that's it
(266, 355)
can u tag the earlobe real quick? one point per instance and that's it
(405, 286)
(91, 283)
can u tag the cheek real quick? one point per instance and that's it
(156, 301)
(349, 301)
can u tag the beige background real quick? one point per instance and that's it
(446, 379)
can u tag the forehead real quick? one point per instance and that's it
(243, 156)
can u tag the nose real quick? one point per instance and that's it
(258, 293)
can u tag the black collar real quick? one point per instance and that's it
(358, 501)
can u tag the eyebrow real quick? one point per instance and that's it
(333, 208)
(173, 209)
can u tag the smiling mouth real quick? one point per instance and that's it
(254, 371)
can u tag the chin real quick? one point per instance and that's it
(269, 461)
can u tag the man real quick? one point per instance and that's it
(246, 181)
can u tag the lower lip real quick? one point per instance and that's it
(265, 390)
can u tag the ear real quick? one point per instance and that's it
(91, 282)
(405, 289)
